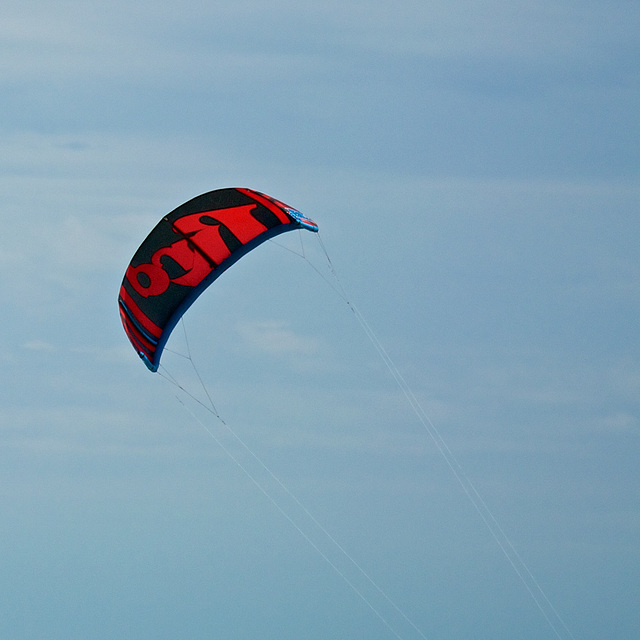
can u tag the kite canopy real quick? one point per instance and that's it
(186, 251)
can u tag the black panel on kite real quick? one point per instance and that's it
(186, 251)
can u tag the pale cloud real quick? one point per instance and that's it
(39, 345)
(275, 337)
(620, 422)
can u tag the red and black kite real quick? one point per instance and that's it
(186, 251)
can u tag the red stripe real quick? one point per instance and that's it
(139, 342)
(266, 202)
(135, 310)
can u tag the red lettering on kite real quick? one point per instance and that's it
(200, 250)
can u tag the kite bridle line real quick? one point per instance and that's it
(518, 564)
(516, 561)
(209, 407)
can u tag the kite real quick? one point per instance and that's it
(186, 251)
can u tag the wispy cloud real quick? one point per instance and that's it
(276, 338)
(39, 345)
(621, 422)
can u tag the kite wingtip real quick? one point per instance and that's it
(303, 221)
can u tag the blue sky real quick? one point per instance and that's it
(473, 168)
